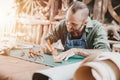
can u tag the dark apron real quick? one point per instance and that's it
(75, 43)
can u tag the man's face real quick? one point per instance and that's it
(74, 21)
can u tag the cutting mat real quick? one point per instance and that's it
(48, 59)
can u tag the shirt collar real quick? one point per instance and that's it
(89, 25)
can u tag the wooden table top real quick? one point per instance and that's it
(17, 69)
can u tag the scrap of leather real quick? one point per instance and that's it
(105, 66)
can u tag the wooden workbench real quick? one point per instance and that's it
(17, 69)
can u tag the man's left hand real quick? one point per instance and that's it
(66, 55)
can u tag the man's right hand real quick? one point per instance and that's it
(45, 48)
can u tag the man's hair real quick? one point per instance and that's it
(77, 5)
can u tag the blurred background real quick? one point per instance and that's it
(31, 20)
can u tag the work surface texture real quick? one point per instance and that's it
(17, 69)
(47, 59)
(18, 65)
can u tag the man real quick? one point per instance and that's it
(79, 34)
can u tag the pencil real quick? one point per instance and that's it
(53, 50)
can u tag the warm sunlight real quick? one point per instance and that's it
(7, 16)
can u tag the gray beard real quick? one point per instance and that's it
(75, 35)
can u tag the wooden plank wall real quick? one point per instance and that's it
(33, 31)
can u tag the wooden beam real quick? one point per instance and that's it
(112, 12)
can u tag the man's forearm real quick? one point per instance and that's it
(86, 52)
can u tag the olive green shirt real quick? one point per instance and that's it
(95, 34)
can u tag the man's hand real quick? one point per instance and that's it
(49, 49)
(66, 55)
(45, 48)
(75, 51)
